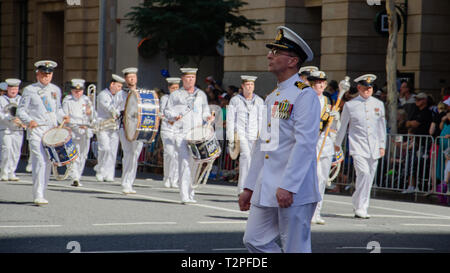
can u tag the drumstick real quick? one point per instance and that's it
(62, 124)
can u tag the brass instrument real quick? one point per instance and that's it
(97, 126)
(11, 109)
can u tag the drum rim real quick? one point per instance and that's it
(59, 143)
(139, 99)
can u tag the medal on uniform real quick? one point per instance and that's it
(282, 110)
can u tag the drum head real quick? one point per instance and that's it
(200, 134)
(130, 119)
(56, 136)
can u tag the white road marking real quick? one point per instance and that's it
(426, 225)
(136, 224)
(32, 226)
(392, 248)
(222, 222)
(395, 216)
(396, 210)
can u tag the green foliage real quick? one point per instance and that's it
(182, 28)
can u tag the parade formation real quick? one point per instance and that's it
(286, 143)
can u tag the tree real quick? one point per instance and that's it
(391, 66)
(190, 28)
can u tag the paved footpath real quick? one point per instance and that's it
(99, 218)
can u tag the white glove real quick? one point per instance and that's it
(335, 114)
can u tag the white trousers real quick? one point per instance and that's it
(82, 144)
(323, 173)
(292, 225)
(170, 159)
(11, 145)
(41, 168)
(246, 148)
(186, 169)
(131, 152)
(108, 143)
(365, 169)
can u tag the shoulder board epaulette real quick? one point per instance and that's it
(301, 85)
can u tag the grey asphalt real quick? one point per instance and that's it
(99, 218)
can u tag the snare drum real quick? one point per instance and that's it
(141, 116)
(203, 144)
(59, 146)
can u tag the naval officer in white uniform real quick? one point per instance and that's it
(187, 108)
(79, 107)
(318, 81)
(131, 149)
(244, 114)
(109, 104)
(365, 119)
(41, 109)
(168, 138)
(281, 188)
(11, 131)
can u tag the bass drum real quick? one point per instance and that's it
(141, 116)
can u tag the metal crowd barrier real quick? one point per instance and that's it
(416, 160)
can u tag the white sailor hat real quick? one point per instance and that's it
(173, 80)
(13, 82)
(77, 84)
(3, 86)
(117, 78)
(366, 80)
(306, 70)
(317, 76)
(189, 71)
(289, 40)
(246, 78)
(46, 66)
(130, 70)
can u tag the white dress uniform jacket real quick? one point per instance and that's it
(76, 109)
(43, 105)
(11, 138)
(195, 110)
(366, 121)
(244, 117)
(287, 158)
(170, 153)
(108, 106)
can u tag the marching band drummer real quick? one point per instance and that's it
(188, 108)
(244, 115)
(79, 107)
(109, 103)
(281, 189)
(131, 150)
(318, 81)
(41, 109)
(365, 119)
(11, 131)
(168, 139)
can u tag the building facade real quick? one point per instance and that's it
(345, 41)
